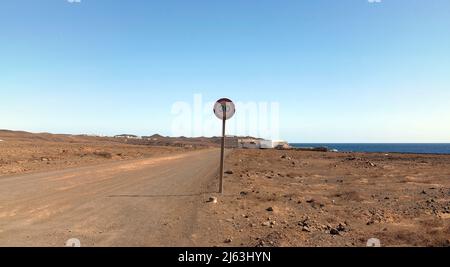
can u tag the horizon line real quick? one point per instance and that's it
(290, 142)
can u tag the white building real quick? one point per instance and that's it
(127, 136)
(249, 143)
(268, 144)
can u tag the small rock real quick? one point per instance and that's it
(341, 227)
(266, 224)
(269, 209)
(229, 172)
(304, 222)
(424, 192)
(228, 240)
(212, 200)
(286, 157)
(334, 231)
(306, 229)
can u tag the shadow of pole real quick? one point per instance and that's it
(161, 196)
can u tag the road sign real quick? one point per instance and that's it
(224, 110)
(225, 107)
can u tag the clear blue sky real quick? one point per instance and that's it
(342, 71)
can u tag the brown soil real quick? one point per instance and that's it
(295, 198)
(22, 152)
(272, 197)
(135, 203)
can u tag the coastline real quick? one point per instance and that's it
(403, 148)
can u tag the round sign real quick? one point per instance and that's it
(224, 109)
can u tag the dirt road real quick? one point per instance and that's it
(150, 202)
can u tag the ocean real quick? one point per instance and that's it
(384, 148)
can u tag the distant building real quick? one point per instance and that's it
(155, 137)
(250, 143)
(254, 143)
(268, 144)
(231, 142)
(128, 136)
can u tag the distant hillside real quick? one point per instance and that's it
(153, 140)
(155, 136)
(8, 135)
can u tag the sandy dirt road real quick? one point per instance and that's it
(150, 202)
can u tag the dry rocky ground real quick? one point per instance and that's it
(22, 152)
(293, 198)
(282, 198)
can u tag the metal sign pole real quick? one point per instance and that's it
(224, 109)
(222, 151)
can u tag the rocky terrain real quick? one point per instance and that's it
(296, 198)
(22, 152)
(275, 197)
